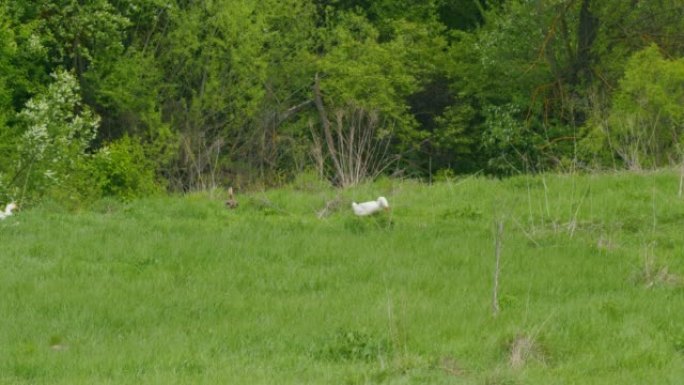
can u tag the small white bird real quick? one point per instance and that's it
(8, 210)
(368, 208)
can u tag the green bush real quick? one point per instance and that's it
(508, 142)
(121, 169)
(645, 123)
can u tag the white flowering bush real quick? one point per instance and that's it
(59, 129)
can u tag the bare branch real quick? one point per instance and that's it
(497, 266)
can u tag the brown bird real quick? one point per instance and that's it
(231, 203)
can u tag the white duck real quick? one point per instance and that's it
(8, 210)
(368, 208)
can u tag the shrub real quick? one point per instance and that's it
(644, 125)
(57, 130)
(122, 170)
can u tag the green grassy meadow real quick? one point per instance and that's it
(180, 290)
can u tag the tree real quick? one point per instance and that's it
(57, 132)
(645, 123)
(549, 67)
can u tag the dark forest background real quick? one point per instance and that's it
(126, 98)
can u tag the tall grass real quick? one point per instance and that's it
(182, 290)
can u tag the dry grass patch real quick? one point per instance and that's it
(654, 274)
(524, 349)
(331, 207)
(451, 366)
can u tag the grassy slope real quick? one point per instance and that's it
(181, 290)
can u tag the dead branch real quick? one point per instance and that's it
(497, 266)
(318, 100)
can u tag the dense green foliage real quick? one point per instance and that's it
(173, 290)
(238, 92)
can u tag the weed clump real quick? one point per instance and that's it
(654, 274)
(524, 349)
(351, 345)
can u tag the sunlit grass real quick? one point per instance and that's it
(183, 290)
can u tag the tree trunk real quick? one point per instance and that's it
(586, 34)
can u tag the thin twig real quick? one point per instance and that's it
(525, 232)
(681, 180)
(497, 251)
